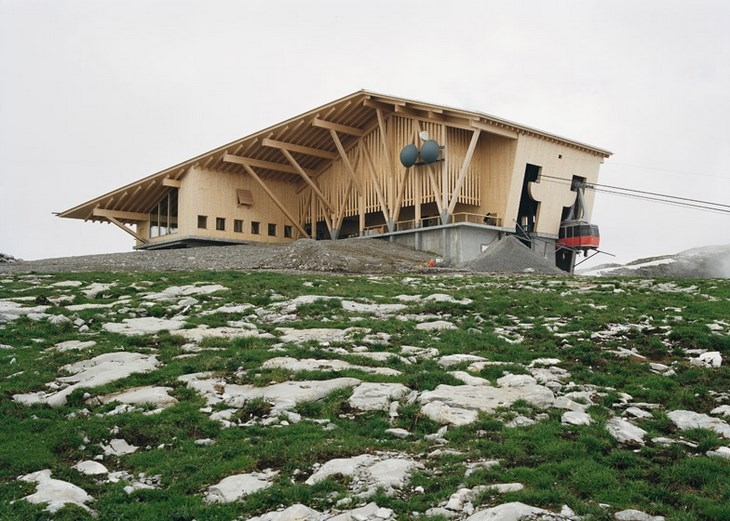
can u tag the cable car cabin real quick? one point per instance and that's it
(580, 235)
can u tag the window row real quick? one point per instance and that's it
(220, 225)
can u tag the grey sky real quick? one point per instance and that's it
(97, 94)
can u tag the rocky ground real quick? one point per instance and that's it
(346, 256)
(343, 256)
(420, 326)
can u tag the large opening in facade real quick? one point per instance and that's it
(163, 216)
(527, 212)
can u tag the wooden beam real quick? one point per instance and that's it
(435, 187)
(130, 232)
(325, 154)
(308, 180)
(400, 195)
(125, 216)
(343, 206)
(268, 165)
(353, 131)
(378, 190)
(386, 150)
(494, 129)
(345, 160)
(464, 170)
(271, 194)
(172, 183)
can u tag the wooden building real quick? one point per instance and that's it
(336, 172)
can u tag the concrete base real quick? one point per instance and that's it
(462, 242)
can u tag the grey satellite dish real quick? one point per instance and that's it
(430, 151)
(409, 155)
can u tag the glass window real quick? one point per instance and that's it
(255, 227)
(272, 230)
(163, 217)
(238, 225)
(220, 224)
(287, 231)
(202, 221)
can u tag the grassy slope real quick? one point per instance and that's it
(558, 464)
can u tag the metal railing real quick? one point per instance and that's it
(426, 222)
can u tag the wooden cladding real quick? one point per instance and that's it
(369, 178)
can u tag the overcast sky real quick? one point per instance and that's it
(97, 94)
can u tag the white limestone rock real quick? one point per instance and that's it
(235, 487)
(723, 410)
(174, 293)
(451, 360)
(94, 372)
(321, 335)
(373, 396)
(468, 379)
(91, 468)
(240, 330)
(368, 472)
(372, 309)
(709, 359)
(311, 364)
(73, 345)
(514, 511)
(369, 512)
(54, 492)
(436, 325)
(283, 396)
(118, 447)
(625, 432)
(442, 297)
(636, 515)
(576, 418)
(296, 512)
(143, 326)
(721, 452)
(691, 420)
(459, 405)
(343, 466)
(398, 433)
(443, 413)
(155, 395)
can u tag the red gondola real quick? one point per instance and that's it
(579, 235)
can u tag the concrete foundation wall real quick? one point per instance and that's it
(456, 243)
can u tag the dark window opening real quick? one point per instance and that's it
(220, 224)
(238, 225)
(574, 211)
(255, 227)
(287, 231)
(527, 212)
(202, 221)
(272, 230)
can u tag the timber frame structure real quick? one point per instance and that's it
(334, 172)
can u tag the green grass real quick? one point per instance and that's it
(558, 464)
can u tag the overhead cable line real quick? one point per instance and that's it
(675, 200)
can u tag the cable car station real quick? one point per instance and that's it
(430, 177)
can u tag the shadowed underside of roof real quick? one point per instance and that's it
(309, 142)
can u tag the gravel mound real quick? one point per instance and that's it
(509, 255)
(345, 256)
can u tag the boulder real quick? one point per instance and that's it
(54, 492)
(233, 488)
(691, 420)
(625, 432)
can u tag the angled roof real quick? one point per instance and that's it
(308, 139)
